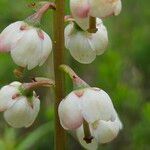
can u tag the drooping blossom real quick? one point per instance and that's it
(29, 45)
(19, 110)
(85, 46)
(93, 106)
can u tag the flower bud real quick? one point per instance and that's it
(29, 46)
(84, 46)
(19, 110)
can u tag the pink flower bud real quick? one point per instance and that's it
(84, 46)
(19, 111)
(29, 46)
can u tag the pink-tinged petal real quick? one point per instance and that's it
(6, 94)
(70, 113)
(8, 36)
(41, 34)
(46, 48)
(80, 12)
(3, 47)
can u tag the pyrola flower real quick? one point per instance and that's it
(82, 9)
(29, 45)
(19, 110)
(92, 106)
(84, 46)
(95, 106)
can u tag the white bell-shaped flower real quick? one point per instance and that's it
(94, 106)
(85, 46)
(19, 110)
(29, 46)
(89, 112)
(82, 9)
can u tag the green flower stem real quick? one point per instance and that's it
(58, 46)
(77, 81)
(36, 17)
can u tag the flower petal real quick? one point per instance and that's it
(46, 48)
(106, 131)
(21, 114)
(80, 10)
(70, 112)
(8, 36)
(96, 104)
(27, 50)
(6, 94)
(99, 39)
(79, 46)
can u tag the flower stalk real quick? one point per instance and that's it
(87, 134)
(92, 25)
(36, 17)
(78, 83)
(58, 46)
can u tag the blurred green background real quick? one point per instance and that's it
(123, 71)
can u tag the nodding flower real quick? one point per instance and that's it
(85, 46)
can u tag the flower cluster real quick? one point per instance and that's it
(86, 111)
(89, 108)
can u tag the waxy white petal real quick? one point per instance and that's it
(6, 94)
(26, 51)
(96, 104)
(79, 10)
(8, 35)
(22, 113)
(70, 113)
(80, 46)
(46, 48)
(106, 131)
